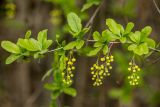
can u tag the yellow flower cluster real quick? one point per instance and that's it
(134, 77)
(99, 71)
(67, 74)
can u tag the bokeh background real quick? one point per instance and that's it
(21, 83)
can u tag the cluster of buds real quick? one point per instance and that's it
(133, 77)
(67, 74)
(99, 71)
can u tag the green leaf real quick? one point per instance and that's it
(10, 47)
(52, 87)
(34, 44)
(96, 36)
(79, 44)
(89, 4)
(132, 47)
(129, 27)
(150, 42)
(110, 36)
(98, 44)
(120, 27)
(123, 39)
(146, 31)
(113, 26)
(105, 50)
(62, 63)
(94, 51)
(57, 76)
(42, 37)
(83, 32)
(74, 22)
(29, 44)
(55, 94)
(28, 34)
(70, 45)
(47, 44)
(141, 49)
(104, 35)
(135, 37)
(70, 91)
(12, 58)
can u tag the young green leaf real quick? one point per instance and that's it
(74, 22)
(89, 4)
(136, 37)
(132, 47)
(28, 34)
(10, 47)
(29, 44)
(113, 27)
(62, 63)
(105, 50)
(12, 58)
(83, 32)
(42, 38)
(146, 31)
(34, 44)
(120, 27)
(96, 36)
(47, 44)
(57, 76)
(52, 87)
(129, 27)
(123, 39)
(70, 45)
(98, 44)
(79, 44)
(150, 42)
(141, 49)
(94, 51)
(70, 91)
(104, 35)
(55, 94)
(109, 36)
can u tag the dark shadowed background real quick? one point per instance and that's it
(21, 83)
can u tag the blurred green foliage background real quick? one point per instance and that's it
(20, 83)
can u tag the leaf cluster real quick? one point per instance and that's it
(26, 47)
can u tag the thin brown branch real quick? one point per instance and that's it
(93, 16)
(156, 6)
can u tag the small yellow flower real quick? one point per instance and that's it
(92, 68)
(69, 63)
(130, 63)
(73, 59)
(73, 68)
(102, 59)
(110, 67)
(111, 57)
(107, 57)
(69, 69)
(112, 60)
(129, 69)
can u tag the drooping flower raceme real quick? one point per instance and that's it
(134, 74)
(67, 74)
(99, 71)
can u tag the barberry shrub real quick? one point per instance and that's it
(138, 42)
